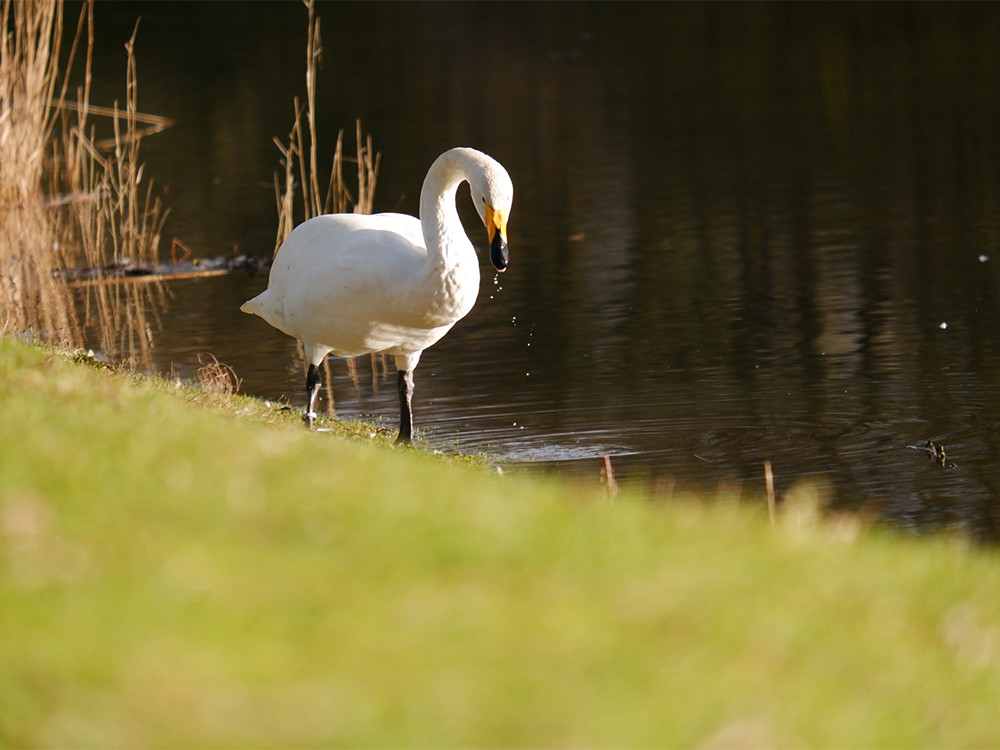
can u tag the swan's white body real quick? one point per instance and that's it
(351, 284)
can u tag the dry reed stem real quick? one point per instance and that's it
(608, 479)
(771, 499)
(331, 406)
(153, 123)
(313, 52)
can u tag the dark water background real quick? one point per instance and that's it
(741, 232)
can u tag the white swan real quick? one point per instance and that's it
(352, 284)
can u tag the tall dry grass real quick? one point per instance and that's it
(299, 185)
(31, 298)
(68, 199)
(298, 191)
(123, 227)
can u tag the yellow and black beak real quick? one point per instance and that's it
(496, 228)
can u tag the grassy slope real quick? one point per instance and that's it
(171, 576)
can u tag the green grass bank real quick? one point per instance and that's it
(173, 575)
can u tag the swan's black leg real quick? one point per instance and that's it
(312, 389)
(405, 382)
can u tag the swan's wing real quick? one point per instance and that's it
(346, 280)
(339, 251)
(346, 251)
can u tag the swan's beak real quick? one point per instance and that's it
(496, 228)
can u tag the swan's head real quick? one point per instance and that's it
(493, 194)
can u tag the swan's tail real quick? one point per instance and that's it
(267, 306)
(253, 306)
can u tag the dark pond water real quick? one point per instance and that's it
(740, 232)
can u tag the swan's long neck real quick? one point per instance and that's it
(444, 235)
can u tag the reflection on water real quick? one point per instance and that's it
(741, 232)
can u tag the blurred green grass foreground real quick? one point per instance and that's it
(180, 573)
